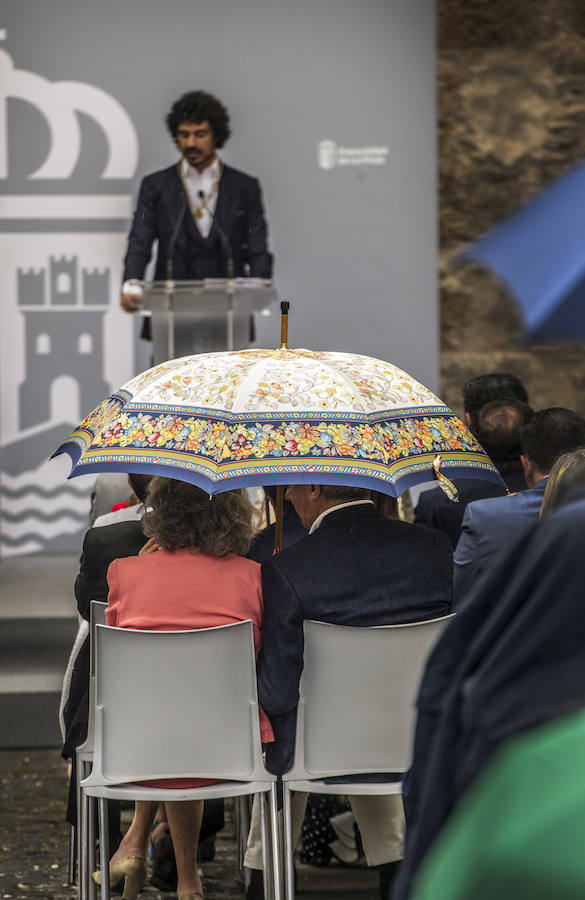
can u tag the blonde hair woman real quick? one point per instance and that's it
(566, 475)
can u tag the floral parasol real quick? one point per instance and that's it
(254, 417)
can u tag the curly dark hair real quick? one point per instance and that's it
(185, 516)
(198, 106)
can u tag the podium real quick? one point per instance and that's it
(203, 316)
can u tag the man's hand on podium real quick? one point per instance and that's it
(131, 296)
(130, 302)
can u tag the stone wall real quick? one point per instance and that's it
(511, 101)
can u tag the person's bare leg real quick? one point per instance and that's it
(184, 818)
(135, 841)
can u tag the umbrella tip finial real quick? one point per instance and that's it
(284, 308)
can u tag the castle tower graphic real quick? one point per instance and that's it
(64, 343)
(63, 336)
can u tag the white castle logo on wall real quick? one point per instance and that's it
(59, 102)
(331, 154)
(56, 283)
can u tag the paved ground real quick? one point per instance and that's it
(34, 841)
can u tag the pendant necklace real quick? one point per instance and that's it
(197, 211)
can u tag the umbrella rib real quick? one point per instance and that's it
(348, 382)
(246, 382)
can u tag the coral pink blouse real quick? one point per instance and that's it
(164, 591)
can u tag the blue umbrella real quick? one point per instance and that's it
(539, 253)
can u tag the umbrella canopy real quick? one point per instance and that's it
(540, 254)
(254, 417)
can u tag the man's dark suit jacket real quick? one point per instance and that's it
(262, 546)
(100, 547)
(435, 510)
(239, 213)
(358, 568)
(511, 659)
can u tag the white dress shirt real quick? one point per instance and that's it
(194, 181)
(331, 509)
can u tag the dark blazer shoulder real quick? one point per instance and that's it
(236, 175)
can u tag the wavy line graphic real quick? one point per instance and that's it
(42, 516)
(28, 503)
(45, 531)
(45, 493)
(20, 549)
(12, 541)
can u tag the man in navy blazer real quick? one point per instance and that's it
(355, 567)
(491, 526)
(207, 218)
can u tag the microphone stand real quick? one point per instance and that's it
(229, 260)
(170, 284)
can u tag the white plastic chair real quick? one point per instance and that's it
(356, 711)
(83, 762)
(177, 705)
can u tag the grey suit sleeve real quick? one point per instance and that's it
(143, 232)
(280, 662)
(466, 557)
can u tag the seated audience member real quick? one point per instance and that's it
(515, 835)
(484, 388)
(262, 547)
(567, 477)
(355, 567)
(497, 428)
(510, 660)
(490, 526)
(134, 509)
(199, 573)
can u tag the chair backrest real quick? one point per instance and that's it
(356, 710)
(97, 616)
(175, 704)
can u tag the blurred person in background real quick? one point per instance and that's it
(510, 660)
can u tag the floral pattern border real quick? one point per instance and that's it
(215, 444)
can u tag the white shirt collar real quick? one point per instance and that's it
(331, 509)
(209, 175)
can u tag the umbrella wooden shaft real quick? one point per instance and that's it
(284, 307)
(279, 511)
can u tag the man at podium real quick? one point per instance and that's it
(208, 218)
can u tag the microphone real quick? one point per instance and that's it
(229, 258)
(173, 241)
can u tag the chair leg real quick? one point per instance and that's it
(79, 775)
(275, 834)
(71, 871)
(242, 805)
(104, 848)
(91, 846)
(84, 867)
(289, 865)
(266, 860)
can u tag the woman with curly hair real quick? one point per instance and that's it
(197, 578)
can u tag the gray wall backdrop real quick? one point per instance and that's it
(355, 245)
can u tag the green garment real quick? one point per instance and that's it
(519, 833)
